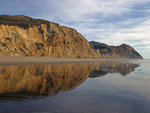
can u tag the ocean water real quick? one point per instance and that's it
(121, 86)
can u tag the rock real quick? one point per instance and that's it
(122, 51)
(24, 36)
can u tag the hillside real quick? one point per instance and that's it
(122, 51)
(24, 36)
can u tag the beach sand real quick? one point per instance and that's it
(20, 60)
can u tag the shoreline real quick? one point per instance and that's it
(23, 60)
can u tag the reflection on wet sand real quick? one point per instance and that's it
(113, 67)
(22, 81)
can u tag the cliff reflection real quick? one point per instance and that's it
(113, 67)
(34, 80)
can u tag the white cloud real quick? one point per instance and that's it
(80, 10)
(139, 33)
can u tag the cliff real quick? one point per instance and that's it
(24, 36)
(122, 51)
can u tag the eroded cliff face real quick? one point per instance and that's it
(25, 36)
(122, 51)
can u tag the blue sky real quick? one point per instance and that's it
(109, 21)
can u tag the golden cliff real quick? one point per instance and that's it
(25, 36)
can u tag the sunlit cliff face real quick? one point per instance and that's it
(25, 36)
(22, 81)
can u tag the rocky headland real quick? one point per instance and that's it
(122, 51)
(25, 36)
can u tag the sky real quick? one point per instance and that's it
(113, 22)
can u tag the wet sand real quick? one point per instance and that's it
(20, 60)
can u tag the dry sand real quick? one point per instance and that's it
(19, 60)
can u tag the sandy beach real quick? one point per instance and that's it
(20, 60)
